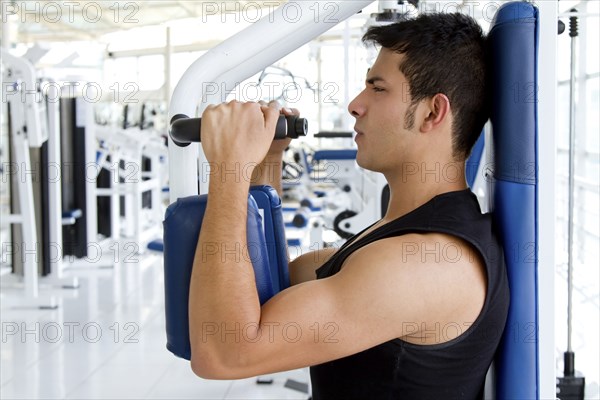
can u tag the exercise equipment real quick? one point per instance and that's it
(185, 130)
(570, 386)
(83, 247)
(514, 41)
(76, 139)
(130, 168)
(521, 38)
(350, 197)
(236, 59)
(26, 131)
(265, 248)
(34, 142)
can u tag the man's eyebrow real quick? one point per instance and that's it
(374, 79)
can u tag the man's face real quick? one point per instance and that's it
(383, 116)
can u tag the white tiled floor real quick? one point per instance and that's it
(107, 341)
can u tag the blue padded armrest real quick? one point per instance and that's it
(182, 224)
(156, 245)
(513, 41)
(269, 202)
(349, 154)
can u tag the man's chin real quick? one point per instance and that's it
(365, 164)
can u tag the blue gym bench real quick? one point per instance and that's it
(514, 50)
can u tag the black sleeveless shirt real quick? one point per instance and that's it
(397, 369)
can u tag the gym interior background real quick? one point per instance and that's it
(84, 195)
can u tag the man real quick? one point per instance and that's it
(414, 306)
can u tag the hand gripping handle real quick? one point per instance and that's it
(186, 130)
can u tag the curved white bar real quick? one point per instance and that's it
(212, 76)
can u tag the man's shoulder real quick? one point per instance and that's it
(433, 249)
(441, 277)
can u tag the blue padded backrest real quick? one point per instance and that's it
(514, 47)
(269, 203)
(183, 220)
(472, 164)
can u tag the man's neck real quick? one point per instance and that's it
(408, 191)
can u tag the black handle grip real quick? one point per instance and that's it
(186, 130)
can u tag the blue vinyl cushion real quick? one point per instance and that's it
(156, 245)
(513, 41)
(269, 203)
(182, 224)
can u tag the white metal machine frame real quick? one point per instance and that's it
(130, 145)
(273, 37)
(26, 130)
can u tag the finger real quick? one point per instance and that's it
(236, 104)
(271, 115)
(209, 108)
(275, 103)
(290, 111)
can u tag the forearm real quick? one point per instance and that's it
(222, 287)
(269, 172)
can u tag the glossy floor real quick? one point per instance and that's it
(106, 340)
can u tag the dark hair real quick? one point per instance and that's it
(444, 53)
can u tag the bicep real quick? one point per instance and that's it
(323, 320)
(307, 324)
(376, 297)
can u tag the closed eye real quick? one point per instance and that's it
(373, 81)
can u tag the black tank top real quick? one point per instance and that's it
(400, 370)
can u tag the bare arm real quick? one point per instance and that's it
(269, 172)
(376, 297)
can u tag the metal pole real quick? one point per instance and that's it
(569, 358)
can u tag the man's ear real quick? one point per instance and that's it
(437, 111)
